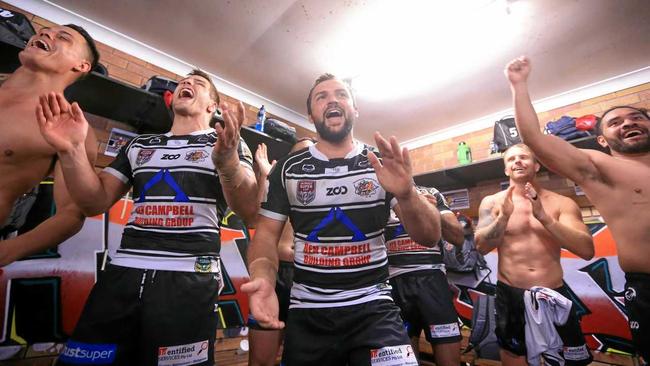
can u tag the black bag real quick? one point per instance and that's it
(280, 130)
(15, 28)
(159, 84)
(483, 339)
(505, 134)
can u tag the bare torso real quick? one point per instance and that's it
(529, 255)
(25, 157)
(623, 198)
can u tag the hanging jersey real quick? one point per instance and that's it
(338, 211)
(405, 255)
(177, 202)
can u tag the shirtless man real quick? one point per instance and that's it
(265, 342)
(54, 58)
(529, 226)
(617, 184)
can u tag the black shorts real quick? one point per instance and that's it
(427, 304)
(637, 304)
(283, 285)
(511, 320)
(170, 319)
(366, 334)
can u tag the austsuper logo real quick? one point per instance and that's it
(87, 353)
(184, 354)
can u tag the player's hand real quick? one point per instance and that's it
(62, 125)
(517, 70)
(263, 303)
(394, 171)
(536, 202)
(225, 149)
(506, 207)
(262, 161)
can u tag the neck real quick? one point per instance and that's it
(25, 84)
(336, 150)
(184, 125)
(640, 157)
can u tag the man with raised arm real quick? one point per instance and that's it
(529, 226)
(338, 195)
(156, 302)
(53, 59)
(617, 184)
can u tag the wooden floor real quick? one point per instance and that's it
(226, 354)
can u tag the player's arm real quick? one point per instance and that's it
(555, 153)
(492, 222)
(233, 162)
(451, 229)
(420, 218)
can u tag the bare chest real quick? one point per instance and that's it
(21, 142)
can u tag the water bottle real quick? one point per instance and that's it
(261, 115)
(464, 153)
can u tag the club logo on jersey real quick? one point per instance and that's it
(365, 187)
(308, 168)
(144, 156)
(306, 191)
(630, 294)
(203, 264)
(196, 156)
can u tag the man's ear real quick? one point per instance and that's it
(83, 67)
(601, 141)
(212, 107)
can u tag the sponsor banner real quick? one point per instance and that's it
(116, 140)
(444, 330)
(87, 353)
(184, 354)
(457, 199)
(402, 355)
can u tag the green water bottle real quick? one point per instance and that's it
(464, 153)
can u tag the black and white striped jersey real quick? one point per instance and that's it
(338, 211)
(405, 255)
(177, 201)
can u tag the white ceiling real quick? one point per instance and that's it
(276, 48)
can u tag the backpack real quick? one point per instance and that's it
(565, 128)
(465, 259)
(505, 134)
(483, 339)
(15, 28)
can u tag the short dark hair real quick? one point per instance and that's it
(302, 139)
(599, 127)
(92, 47)
(214, 93)
(325, 77)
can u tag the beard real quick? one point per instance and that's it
(620, 146)
(329, 135)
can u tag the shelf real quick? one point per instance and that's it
(466, 176)
(146, 112)
(276, 148)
